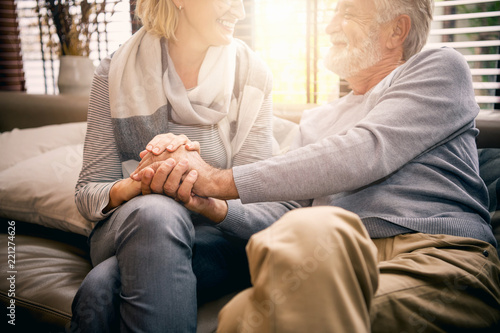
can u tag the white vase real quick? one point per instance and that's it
(75, 75)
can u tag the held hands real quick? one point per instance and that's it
(170, 169)
(158, 172)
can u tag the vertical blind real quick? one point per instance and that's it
(472, 27)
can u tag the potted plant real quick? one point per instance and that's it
(74, 22)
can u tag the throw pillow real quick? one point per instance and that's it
(20, 144)
(41, 190)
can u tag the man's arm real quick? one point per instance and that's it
(233, 217)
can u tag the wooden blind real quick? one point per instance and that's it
(11, 62)
(473, 28)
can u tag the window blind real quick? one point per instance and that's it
(41, 61)
(472, 27)
(11, 63)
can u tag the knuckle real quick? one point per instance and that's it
(156, 189)
(169, 189)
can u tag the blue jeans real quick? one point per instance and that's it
(155, 262)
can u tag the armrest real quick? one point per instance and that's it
(22, 110)
(488, 123)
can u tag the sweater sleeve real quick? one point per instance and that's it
(101, 164)
(429, 101)
(244, 220)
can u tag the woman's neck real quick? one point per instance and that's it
(187, 59)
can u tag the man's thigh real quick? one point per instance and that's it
(436, 283)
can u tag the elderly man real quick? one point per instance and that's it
(399, 238)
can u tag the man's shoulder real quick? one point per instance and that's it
(438, 62)
(444, 56)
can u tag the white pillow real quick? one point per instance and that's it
(20, 144)
(41, 190)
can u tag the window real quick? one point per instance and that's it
(41, 64)
(289, 36)
(473, 28)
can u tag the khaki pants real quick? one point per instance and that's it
(317, 270)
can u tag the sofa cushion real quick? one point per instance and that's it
(41, 190)
(47, 274)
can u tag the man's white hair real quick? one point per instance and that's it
(420, 13)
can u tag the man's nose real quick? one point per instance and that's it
(334, 25)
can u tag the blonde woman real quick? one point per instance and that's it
(181, 75)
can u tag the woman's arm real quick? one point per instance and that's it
(101, 168)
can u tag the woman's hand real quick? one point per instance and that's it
(170, 142)
(127, 188)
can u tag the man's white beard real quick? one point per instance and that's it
(347, 62)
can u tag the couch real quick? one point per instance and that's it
(44, 252)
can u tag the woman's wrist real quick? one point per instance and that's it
(219, 211)
(117, 195)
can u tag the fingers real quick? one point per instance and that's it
(168, 141)
(143, 153)
(147, 176)
(184, 192)
(177, 142)
(139, 172)
(161, 175)
(193, 146)
(167, 177)
(174, 179)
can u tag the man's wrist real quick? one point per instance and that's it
(217, 183)
(225, 188)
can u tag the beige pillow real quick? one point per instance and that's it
(20, 144)
(41, 190)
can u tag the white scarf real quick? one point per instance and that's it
(138, 86)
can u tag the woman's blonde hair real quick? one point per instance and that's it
(158, 16)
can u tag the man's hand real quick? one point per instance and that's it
(169, 172)
(213, 209)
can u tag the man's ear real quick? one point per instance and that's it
(400, 29)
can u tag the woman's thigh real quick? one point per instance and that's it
(144, 220)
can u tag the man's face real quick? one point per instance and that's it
(354, 33)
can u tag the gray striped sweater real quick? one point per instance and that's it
(106, 148)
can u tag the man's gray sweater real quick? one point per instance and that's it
(402, 156)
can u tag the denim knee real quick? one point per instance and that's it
(155, 213)
(96, 304)
(145, 219)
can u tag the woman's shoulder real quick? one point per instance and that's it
(103, 69)
(251, 67)
(245, 54)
